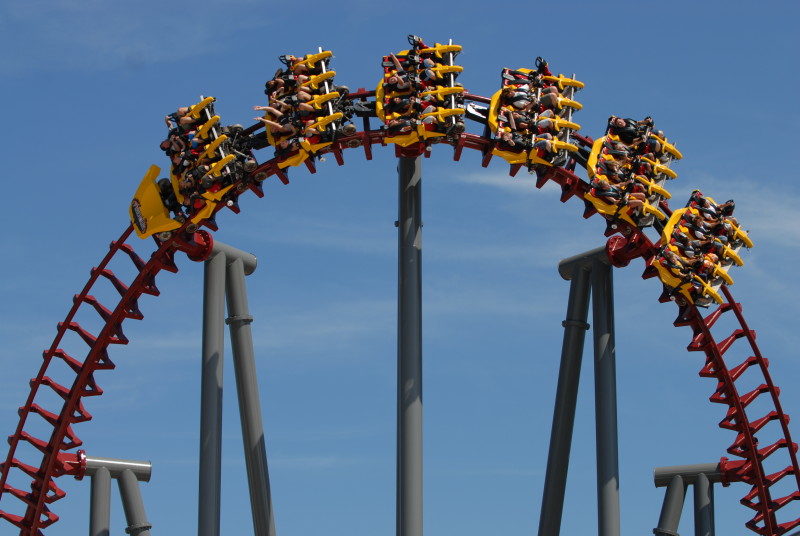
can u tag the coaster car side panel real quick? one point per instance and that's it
(147, 211)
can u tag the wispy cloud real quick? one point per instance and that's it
(486, 301)
(332, 325)
(522, 183)
(97, 35)
(327, 234)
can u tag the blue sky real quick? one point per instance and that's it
(86, 86)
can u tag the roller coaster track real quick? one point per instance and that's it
(59, 456)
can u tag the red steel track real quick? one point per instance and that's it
(57, 455)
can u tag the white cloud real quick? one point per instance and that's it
(333, 235)
(97, 35)
(522, 183)
(487, 301)
(328, 326)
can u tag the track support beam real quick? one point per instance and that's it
(588, 272)
(677, 478)
(605, 399)
(128, 473)
(569, 374)
(672, 508)
(409, 348)
(133, 505)
(100, 505)
(225, 273)
(210, 474)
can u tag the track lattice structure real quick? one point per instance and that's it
(59, 456)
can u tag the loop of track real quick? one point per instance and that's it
(58, 460)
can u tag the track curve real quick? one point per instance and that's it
(59, 458)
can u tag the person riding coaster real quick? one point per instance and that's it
(417, 99)
(304, 120)
(303, 143)
(695, 283)
(309, 64)
(524, 118)
(721, 219)
(724, 226)
(204, 169)
(623, 201)
(688, 221)
(150, 209)
(631, 162)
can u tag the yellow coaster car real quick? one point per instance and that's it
(294, 159)
(652, 187)
(563, 82)
(667, 147)
(738, 235)
(622, 211)
(147, 211)
(417, 98)
(522, 151)
(690, 286)
(439, 50)
(198, 108)
(311, 60)
(726, 252)
(150, 215)
(315, 81)
(420, 129)
(594, 155)
(205, 203)
(702, 237)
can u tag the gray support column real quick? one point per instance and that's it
(100, 508)
(141, 470)
(662, 476)
(671, 510)
(409, 349)
(208, 512)
(255, 451)
(133, 505)
(575, 327)
(605, 375)
(703, 507)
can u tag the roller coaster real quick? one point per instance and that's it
(419, 104)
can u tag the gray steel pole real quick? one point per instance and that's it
(141, 470)
(703, 507)
(409, 348)
(671, 509)
(100, 508)
(255, 451)
(605, 375)
(248, 259)
(662, 476)
(132, 504)
(569, 374)
(210, 473)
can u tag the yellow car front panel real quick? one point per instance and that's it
(147, 211)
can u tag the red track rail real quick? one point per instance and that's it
(750, 468)
(57, 460)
